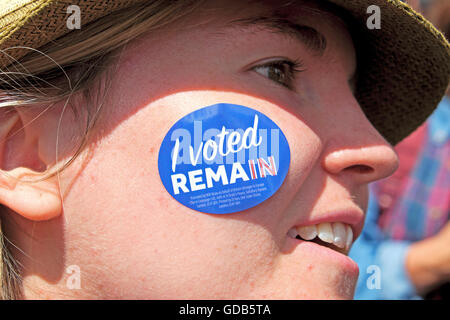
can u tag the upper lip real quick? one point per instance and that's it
(354, 217)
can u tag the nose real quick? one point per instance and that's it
(357, 149)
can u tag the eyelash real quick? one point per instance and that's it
(293, 68)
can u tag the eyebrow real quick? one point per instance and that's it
(309, 36)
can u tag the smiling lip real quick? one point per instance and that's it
(325, 255)
(352, 217)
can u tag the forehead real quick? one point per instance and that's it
(318, 25)
(303, 12)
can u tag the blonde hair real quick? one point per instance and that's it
(76, 62)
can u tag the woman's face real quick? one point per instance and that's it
(131, 239)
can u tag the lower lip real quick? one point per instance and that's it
(322, 252)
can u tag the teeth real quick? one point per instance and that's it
(349, 238)
(337, 233)
(340, 234)
(307, 232)
(325, 232)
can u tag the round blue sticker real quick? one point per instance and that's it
(223, 158)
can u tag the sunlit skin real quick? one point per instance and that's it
(131, 239)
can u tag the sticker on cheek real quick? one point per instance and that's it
(223, 158)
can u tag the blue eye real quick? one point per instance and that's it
(281, 71)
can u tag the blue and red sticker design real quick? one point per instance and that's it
(223, 158)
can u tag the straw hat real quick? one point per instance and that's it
(404, 67)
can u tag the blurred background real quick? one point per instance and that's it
(404, 250)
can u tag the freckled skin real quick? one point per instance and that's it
(132, 240)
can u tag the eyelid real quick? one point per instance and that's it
(268, 61)
(296, 66)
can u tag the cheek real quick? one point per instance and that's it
(153, 122)
(129, 213)
(148, 245)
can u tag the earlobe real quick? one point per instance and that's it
(22, 191)
(22, 188)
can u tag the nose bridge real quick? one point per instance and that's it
(354, 146)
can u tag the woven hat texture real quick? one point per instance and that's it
(403, 68)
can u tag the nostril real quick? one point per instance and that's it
(359, 168)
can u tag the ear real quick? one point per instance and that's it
(21, 169)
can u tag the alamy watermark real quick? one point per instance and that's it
(374, 20)
(74, 20)
(73, 281)
(373, 282)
